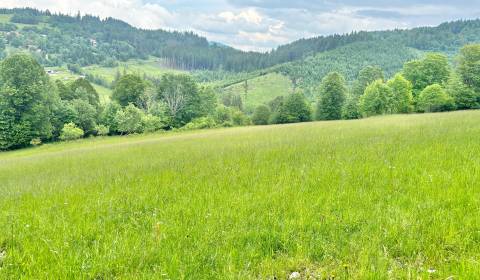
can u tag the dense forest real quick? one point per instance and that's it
(57, 39)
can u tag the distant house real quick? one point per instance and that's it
(52, 72)
(93, 42)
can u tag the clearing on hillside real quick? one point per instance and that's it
(392, 197)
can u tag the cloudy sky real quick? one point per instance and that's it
(264, 24)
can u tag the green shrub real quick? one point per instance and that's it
(152, 123)
(200, 123)
(36, 142)
(101, 130)
(240, 119)
(223, 115)
(71, 132)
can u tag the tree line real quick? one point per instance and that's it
(35, 109)
(429, 84)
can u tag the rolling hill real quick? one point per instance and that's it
(86, 40)
(101, 48)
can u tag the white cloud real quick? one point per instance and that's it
(249, 15)
(135, 12)
(264, 24)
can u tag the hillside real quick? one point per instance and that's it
(388, 197)
(260, 90)
(57, 40)
(349, 60)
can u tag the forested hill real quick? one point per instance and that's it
(57, 39)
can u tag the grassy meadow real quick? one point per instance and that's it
(152, 68)
(394, 197)
(262, 89)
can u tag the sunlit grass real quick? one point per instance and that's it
(393, 197)
(262, 89)
(151, 68)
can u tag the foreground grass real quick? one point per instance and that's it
(384, 198)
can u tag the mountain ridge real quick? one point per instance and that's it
(58, 39)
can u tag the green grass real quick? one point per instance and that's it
(66, 76)
(382, 198)
(262, 89)
(5, 18)
(151, 67)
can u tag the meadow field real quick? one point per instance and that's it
(394, 197)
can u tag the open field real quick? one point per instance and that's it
(262, 89)
(5, 18)
(394, 197)
(63, 74)
(151, 68)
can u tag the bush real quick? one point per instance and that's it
(200, 123)
(101, 130)
(240, 119)
(152, 123)
(434, 99)
(36, 142)
(261, 115)
(223, 115)
(71, 132)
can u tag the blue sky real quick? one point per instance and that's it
(264, 24)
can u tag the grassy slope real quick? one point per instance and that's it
(5, 18)
(380, 198)
(66, 76)
(262, 89)
(151, 67)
